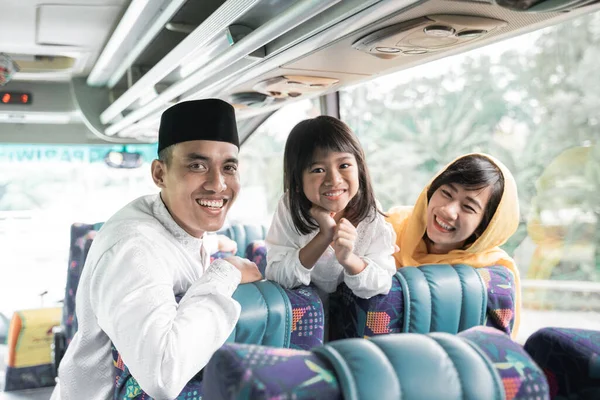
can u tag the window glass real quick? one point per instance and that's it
(44, 189)
(531, 101)
(261, 163)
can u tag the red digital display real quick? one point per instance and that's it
(15, 98)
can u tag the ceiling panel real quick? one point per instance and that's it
(341, 57)
(71, 25)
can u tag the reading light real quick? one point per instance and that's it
(439, 31)
(471, 33)
(390, 50)
(415, 52)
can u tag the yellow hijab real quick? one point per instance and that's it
(410, 224)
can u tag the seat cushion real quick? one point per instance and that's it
(570, 359)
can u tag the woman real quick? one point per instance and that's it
(469, 209)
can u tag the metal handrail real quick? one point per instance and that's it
(291, 18)
(224, 16)
(567, 286)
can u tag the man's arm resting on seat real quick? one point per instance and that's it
(163, 344)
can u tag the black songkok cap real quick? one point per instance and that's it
(208, 119)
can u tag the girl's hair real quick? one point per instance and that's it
(327, 134)
(474, 172)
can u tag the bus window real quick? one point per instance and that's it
(531, 101)
(261, 163)
(43, 190)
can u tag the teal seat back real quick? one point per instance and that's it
(266, 316)
(411, 366)
(430, 298)
(442, 298)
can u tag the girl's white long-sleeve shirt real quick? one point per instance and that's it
(374, 245)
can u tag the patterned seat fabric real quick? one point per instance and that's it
(82, 236)
(480, 363)
(432, 306)
(501, 292)
(521, 377)
(570, 359)
(257, 252)
(258, 372)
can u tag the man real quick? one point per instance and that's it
(152, 251)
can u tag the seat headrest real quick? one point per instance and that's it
(442, 298)
(411, 366)
(266, 316)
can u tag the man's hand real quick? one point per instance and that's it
(249, 270)
(226, 245)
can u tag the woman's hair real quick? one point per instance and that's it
(473, 172)
(327, 134)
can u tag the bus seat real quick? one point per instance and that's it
(82, 236)
(29, 363)
(256, 251)
(431, 298)
(480, 363)
(278, 317)
(243, 235)
(501, 297)
(570, 359)
(270, 316)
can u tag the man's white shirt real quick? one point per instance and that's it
(139, 261)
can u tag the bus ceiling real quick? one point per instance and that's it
(105, 72)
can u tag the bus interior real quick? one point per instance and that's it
(83, 84)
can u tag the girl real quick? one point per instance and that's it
(462, 217)
(327, 227)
